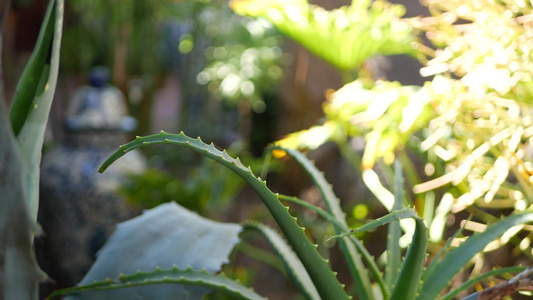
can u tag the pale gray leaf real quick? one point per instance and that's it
(162, 237)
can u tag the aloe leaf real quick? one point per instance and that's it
(31, 105)
(369, 259)
(324, 279)
(373, 182)
(324, 214)
(329, 197)
(27, 87)
(19, 273)
(292, 264)
(391, 217)
(443, 251)
(168, 278)
(495, 272)
(353, 258)
(394, 233)
(162, 237)
(261, 255)
(439, 276)
(408, 281)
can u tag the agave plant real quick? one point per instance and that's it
(403, 279)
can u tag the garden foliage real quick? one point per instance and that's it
(471, 123)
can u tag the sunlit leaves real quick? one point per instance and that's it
(386, 114)
(481, 140)
(486, 43)
(344, 37)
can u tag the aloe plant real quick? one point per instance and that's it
(21, 140)
(21, 137)
(309, 271)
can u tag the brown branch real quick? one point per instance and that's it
(521, 281)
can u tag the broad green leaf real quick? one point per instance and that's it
(161, 279)
(393, 216)
(292, 264)
(324, 279)
(440, 275)
(30, 108)
(166, 236)
(353, 258)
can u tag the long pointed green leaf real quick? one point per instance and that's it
(324, 279)
(369, 259)
(292, 264)
(394, 233)
(439, 276)
(393, 216)
(27, 87)
(261, 255)
(19, 273)
(353, 258)
(443, 251)
(172, 276)
(408, 282)
(35, 114)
